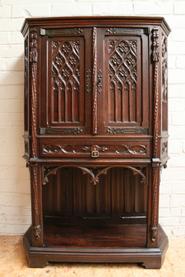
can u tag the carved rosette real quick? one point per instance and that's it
(33, 59)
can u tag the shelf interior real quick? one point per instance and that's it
(95, 235)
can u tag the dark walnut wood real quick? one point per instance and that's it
(96, 136)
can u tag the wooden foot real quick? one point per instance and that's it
(36, 262)
(155, 264)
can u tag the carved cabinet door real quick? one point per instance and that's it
(66, 81)
(123, 55)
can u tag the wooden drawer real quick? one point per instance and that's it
(93, 149)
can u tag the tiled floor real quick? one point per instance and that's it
(13, 264)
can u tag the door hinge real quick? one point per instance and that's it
(42, 32)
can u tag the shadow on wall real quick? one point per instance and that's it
(14, 177)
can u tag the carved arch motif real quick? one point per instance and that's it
(94, 176)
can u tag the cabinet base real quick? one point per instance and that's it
(147, 257)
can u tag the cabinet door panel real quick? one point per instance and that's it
(67, 81)
(125, 73)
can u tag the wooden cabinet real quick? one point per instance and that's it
(96, 138)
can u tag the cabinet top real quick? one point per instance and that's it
(57, 22)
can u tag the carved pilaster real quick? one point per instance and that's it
(156, 137)
(94, 111)
(33, 60)
(155, 200)
(155, 59)
(37, 218)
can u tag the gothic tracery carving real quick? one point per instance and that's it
(123, 61)
(122, 68)
(65, 67)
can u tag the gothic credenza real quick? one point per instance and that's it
(96, 137)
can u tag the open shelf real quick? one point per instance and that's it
(89, 235)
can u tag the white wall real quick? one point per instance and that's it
(14, 178)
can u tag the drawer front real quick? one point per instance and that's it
(94, 150)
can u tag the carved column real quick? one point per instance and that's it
(37, 217)
(156, 140)
(94, 108)
(33, 61)
(35, 169)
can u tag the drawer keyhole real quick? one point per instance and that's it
(94, 152)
